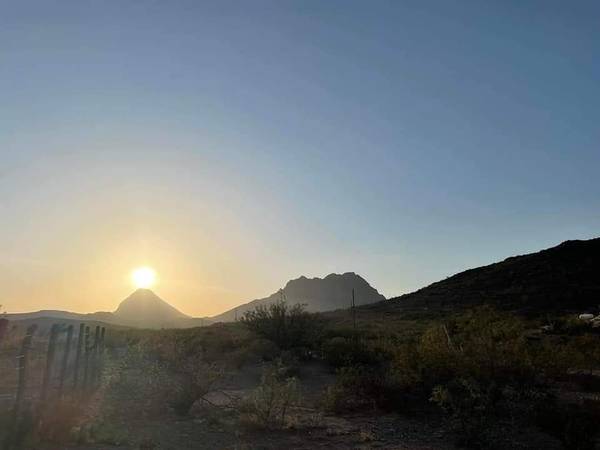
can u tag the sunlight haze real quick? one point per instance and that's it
(233, 146)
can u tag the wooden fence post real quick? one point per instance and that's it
(22, 368)
(3, 329)
(101, 353)
(65, 361)
(78, 355)
(95, 357)
(102, 334)
(49, 362)
(86, 358)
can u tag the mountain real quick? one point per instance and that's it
(561, 278)
(319, 294)
(142, 309)
(145, 309)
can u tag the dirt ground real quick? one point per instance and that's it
(215, 426)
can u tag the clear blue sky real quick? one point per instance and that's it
(257, 141)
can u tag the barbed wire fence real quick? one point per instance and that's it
(41, 370)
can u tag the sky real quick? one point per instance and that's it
(233, 146)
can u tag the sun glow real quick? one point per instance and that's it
(143, 277)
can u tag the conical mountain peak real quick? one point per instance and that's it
(146, 308)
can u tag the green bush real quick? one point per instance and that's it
(287, 326)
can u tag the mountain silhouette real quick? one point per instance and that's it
(318, 294)
(561, 278)
(144, 308)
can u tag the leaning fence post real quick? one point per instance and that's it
(78, 355)
(86, 358)
(22, 383)
(65, 361)
(49, 362)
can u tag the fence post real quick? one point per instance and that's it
(86, 358)
(3, 329)
(49, 362)
(78, 355)
(65, 361)
(102, 334)
(101, 352)
(95, 357)
(22, 368)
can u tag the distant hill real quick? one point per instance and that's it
(100, 316)
(561, 278)
(319, 294)
(142, 309)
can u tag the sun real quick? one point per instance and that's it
(143, 277)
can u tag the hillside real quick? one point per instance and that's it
(561, 278)
(319, 294)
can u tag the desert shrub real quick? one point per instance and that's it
(189, 376)
(193, 380)
(586, 352)
(404, 365)
(483, 370)
(269, 404)
(137, 381)
(257, 350)
(483, 345)
(287, 326)
(356, 388)
(571, 325)
(354, 351)
(468, 403)
(478, 367)
(288, 364)
(157, 372)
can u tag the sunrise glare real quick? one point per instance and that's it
(299, 224)
(143, 277)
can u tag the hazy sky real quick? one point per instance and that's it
(235, 145)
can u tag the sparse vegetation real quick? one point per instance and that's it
(287, 326)
(479, 369)
(269, 404)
